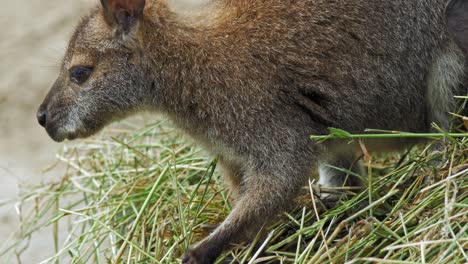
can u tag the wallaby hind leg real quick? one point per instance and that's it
(445, 81)
(341, 171)
(263, 196)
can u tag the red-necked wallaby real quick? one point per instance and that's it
(251, 80)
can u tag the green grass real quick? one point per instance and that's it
(145, 196)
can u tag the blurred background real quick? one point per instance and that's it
(34, 37)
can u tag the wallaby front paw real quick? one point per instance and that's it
(199, 255)
(190, 259)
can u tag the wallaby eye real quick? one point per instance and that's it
(80, 74)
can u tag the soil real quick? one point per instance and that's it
(34, 37)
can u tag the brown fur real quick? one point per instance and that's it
(252, 80)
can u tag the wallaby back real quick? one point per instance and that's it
(252, 80)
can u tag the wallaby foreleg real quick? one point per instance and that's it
(262, 198)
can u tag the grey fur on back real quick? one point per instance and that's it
(361, 56)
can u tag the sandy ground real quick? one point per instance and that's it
(33, 39)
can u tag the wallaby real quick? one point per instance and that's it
(252, 80)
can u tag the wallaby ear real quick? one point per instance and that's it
(457, 22)
(123, 14)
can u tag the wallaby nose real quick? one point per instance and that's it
(42, 116)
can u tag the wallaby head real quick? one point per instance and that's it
(101, 77)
